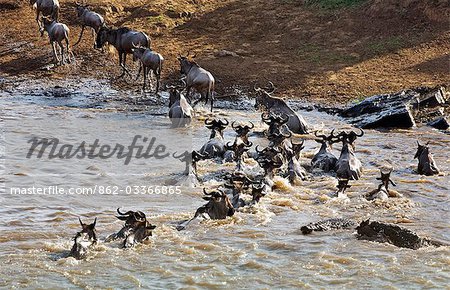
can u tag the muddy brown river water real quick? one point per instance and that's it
(259, 247)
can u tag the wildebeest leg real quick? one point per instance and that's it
(200, 211)
(145, 78)
(122, 64)
(158, 75)
(139, 71)
(55, 56)
(62, 52)
(188, 90)
(79, 38)
(67, 50)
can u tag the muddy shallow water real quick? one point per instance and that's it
(259, 247)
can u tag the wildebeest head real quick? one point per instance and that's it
(242, 130)
(185, 63)
(263, 98)
(132, 218)
(297, 148)
(421, 149)
(84, 239)
(219, 205)
(80, 9)
(276, 122)
(258, 191)
(348, 138)
(138, 51)
(216, 126)
(328, 141)
(175, 92)
(102, 36)
(386, 179)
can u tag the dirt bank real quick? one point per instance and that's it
(309, 52)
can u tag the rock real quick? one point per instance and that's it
(398, 110)
(225, 53)
(430, 98)
(388, 110)
(440, 123)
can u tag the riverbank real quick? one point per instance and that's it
(321, 55)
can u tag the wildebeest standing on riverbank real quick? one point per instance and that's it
(48, 8)
(88, 18)
(150, 61)
(57, 32)
(197, 78)
(123, 39)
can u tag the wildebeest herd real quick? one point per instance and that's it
(280, 159)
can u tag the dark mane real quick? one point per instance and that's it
(122, 30)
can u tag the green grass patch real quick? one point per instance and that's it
(333, 4)
(386, 45)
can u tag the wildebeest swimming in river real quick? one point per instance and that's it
(348, 165)
(324, 159)
(215, 146)
(180, 112)
(383, 192)
(136, 229)
(84, 239)
(427, 165)
(218, 207)
(266, 102)
(124, 40)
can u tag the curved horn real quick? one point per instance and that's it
(95, 222)
(360, 134)
(249, 144)
(224, 123)
(81, 223)
(256, 89)
(272, 88)
(205, 192)
(321, 135)
(252, 125)
(127, 213)
(139, 216)
(233, 126)
(258, 151)
(209, 121)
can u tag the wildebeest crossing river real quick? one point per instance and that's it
(261, 246)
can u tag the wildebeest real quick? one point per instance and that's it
(242, 131)
(276, 122)
(393, 234)
(123, 39)
(57, 32)
(348, 165)
(235, 152)
(270, 104)
(191, 159)
(427, 165)
(324, 159)
(215, 146)
(218, 207)
(329, 224)
(180, 112)
(48, 8)
(383, 192)
(83, 240)
(136, 229)
(295, 170)
(150, 61)
(197, 78)
(90, 19)
(269, 166)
